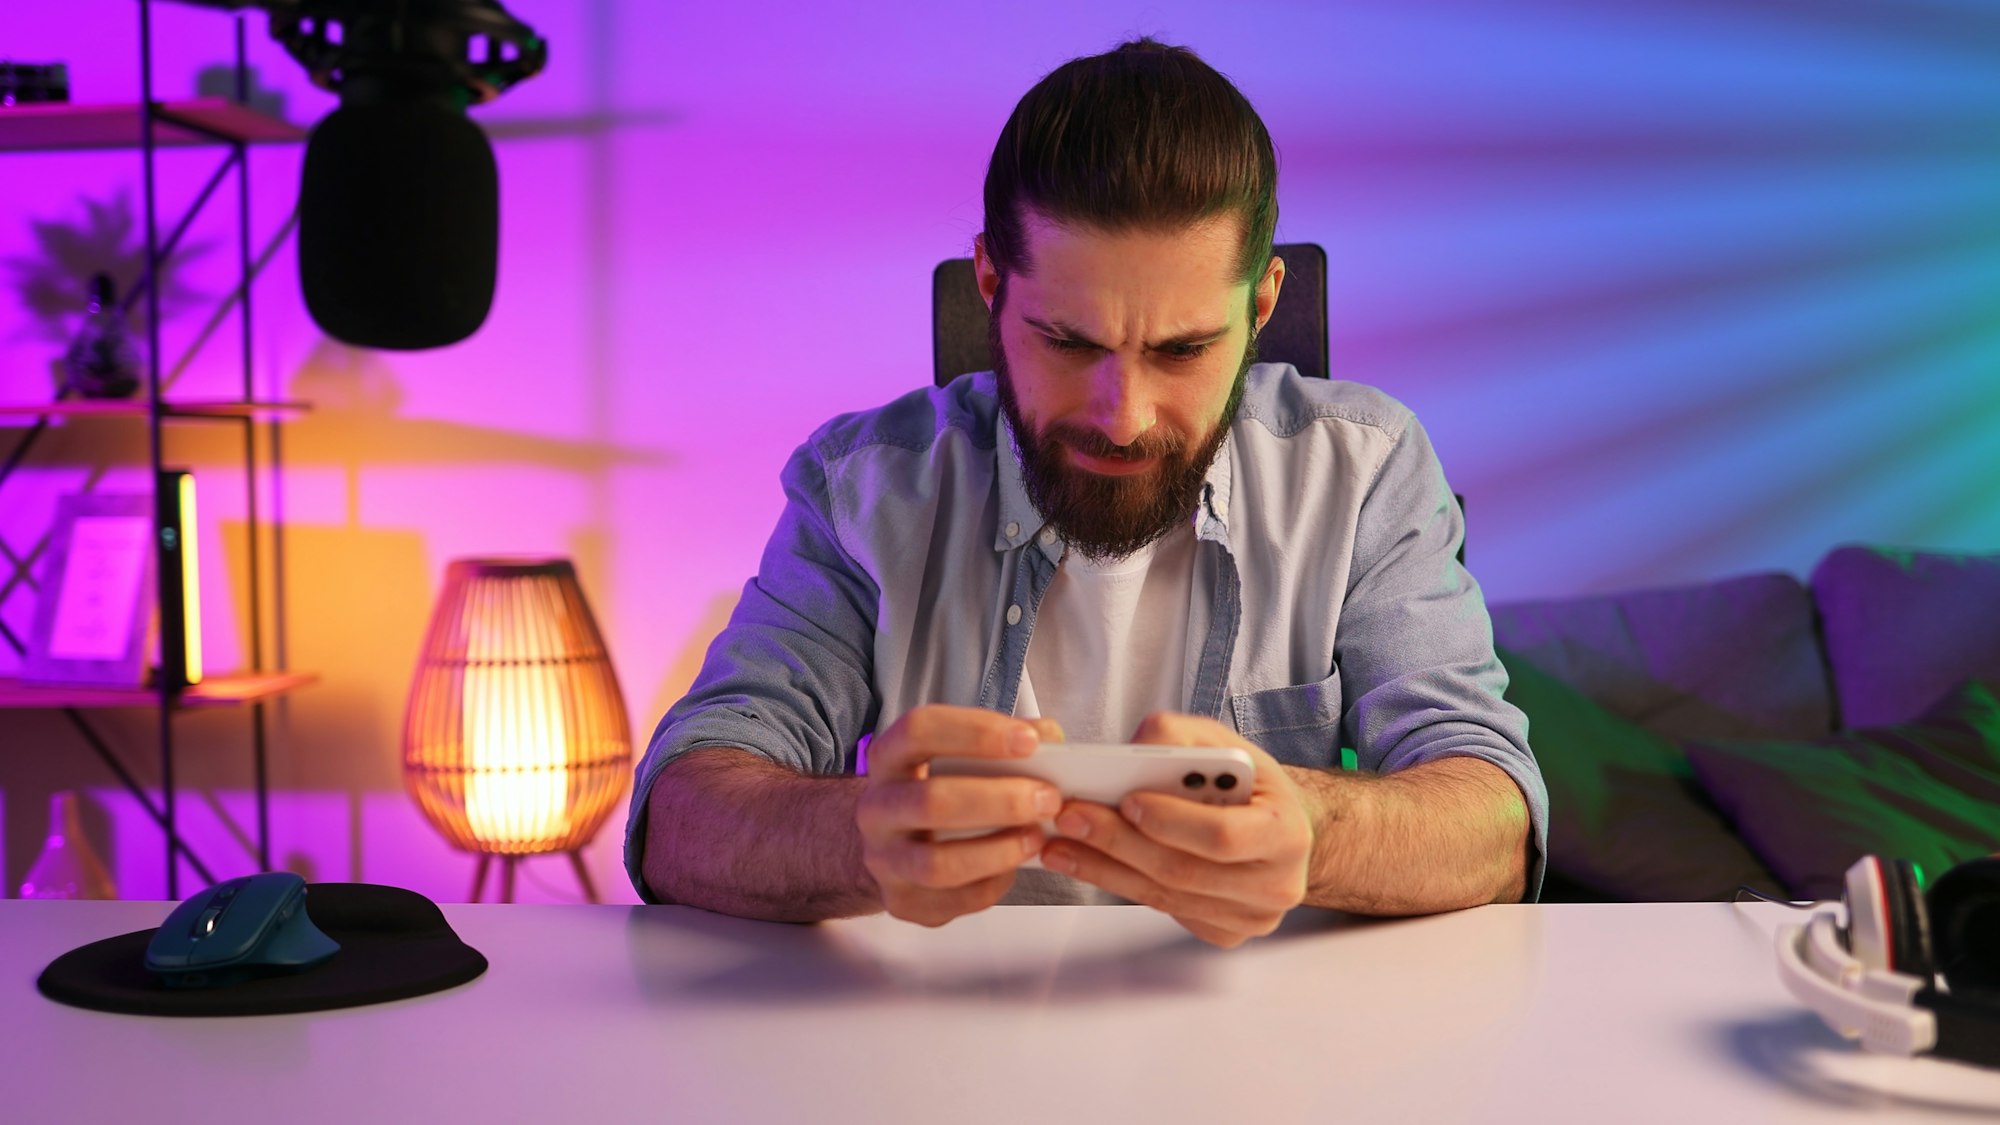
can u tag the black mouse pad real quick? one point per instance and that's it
(394, 944)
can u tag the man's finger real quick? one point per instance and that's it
(1100, 870)
(1169, 728)
(1214, 935)
(1104, 830)
(1258, 885)
(935, 908)
(961, 863)
(1228, 834)
(945, 803)
(935, 730)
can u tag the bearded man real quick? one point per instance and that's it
(1129, 530)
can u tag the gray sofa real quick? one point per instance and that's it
(1761, 730)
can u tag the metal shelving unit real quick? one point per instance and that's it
(151, 125)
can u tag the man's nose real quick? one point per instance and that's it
(1119, 406)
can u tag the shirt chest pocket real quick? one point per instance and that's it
(1298, 725)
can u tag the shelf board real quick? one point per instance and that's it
(59, 126)
(136, 408)
(215, 691)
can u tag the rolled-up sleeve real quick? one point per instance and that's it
(789, 677)
(1415, 643)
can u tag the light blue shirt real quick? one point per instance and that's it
(909, 564)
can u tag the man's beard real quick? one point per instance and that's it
(1111, 517)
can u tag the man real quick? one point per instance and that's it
(1126, 532)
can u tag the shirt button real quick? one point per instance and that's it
(1048, 537)
(1013, 530)
(1013, 615)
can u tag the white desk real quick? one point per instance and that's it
(1536, 1014)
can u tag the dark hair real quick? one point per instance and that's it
(1143, 136)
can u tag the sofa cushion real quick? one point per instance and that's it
(1927, 791)
(1731, 659)
(1626, 820)
(1903, 627)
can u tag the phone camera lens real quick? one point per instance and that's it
(1225, 781)
(1194, 781)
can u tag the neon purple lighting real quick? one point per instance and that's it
(1680, 290)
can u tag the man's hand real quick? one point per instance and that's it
(1226, 874)
(921, 879)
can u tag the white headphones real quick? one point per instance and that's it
(1876, 979)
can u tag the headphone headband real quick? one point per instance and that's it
(1871, 1005)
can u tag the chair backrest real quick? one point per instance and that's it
(1296, 333)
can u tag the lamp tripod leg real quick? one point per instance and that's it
(507, 865)
(479, 876)
(583, 876)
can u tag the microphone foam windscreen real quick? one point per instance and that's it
(399, 225)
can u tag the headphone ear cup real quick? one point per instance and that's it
(1909, 921)
(1965, 916)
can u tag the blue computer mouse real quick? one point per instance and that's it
(248, 927)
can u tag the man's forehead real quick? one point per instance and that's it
(1205, 249)
(1078, 271)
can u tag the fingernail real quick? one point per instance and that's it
(1130, 809)
(1047, 802)
(1023, 743)
(1059, 861)
(1031, 842)
(1073, 825)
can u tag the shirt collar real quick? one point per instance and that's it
(1016, 510)
(1215, 491)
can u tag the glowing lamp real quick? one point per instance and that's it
(515, 742)
(190, 577)
(180, 596)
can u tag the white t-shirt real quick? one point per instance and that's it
(1112, 641)
(1111, 645)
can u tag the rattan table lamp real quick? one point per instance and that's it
(515, 742)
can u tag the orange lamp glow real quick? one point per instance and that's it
(516, 741)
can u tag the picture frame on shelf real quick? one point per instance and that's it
(95, 605)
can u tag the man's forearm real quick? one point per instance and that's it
(727, 830)
(1444, 835)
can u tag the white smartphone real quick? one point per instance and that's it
(1104, 772)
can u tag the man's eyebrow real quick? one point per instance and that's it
(1070, 332)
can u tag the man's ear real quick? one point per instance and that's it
(984, 271)
(1267, 290)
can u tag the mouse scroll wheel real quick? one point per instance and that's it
(205, 925)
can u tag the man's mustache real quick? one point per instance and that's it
(1156, 442)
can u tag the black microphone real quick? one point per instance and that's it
(399, 223)
(399, 205)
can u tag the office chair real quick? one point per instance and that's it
(1295, 334)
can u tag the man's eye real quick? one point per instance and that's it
(1072, 346)
(1185, 352)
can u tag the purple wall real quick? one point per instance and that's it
(1681, 289)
